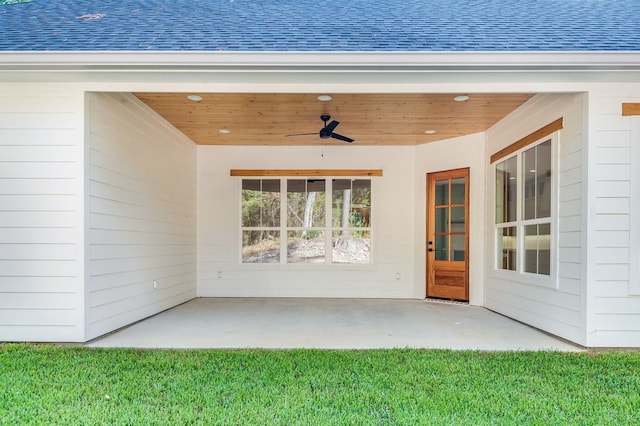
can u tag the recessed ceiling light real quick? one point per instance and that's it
(461, 98)
(324, 98)
(431, 132)
(224, 131)
(194, 98)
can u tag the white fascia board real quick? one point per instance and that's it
(312, 61)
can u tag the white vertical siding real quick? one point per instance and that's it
(393, 225)
(142, 206)
(560, 308)
(41, 214)
(614, 317)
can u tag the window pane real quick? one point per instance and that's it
(442, 192)
(506, 247)
(260, 202)
(537, 249)
(296, 201)
(260, 247)
(305, 199)
(341, 203)
(531, 248)
(506, 187)
(351, 247)
(442, 219)
(536, 171)
(305, 247)
(544, 249)
(543, 183)
(361, 203)
(457, 191)
(441, 247)
(351, 203)
(457, 247)
(529, 183)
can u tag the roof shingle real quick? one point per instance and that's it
(321, 25)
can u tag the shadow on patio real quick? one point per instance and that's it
(330, 324)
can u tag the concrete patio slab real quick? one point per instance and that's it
(330, 324)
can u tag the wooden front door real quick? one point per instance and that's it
(448, 234)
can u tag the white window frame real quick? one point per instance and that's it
(519, 274)
(634, 246)
(327, 229)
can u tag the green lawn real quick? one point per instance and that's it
(42, 384)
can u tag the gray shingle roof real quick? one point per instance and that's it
(321, 25)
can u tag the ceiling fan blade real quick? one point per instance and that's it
(301, 134)
(340, 137)
(331, 126)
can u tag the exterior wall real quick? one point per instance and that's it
(467, 151)
(614, 244)
(41, 213)
(393, 225)
(141, 213)
(560, 308)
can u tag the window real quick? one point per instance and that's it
(524, 200)
(306, 221)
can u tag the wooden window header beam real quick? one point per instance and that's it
(306, 172)
(529, 139)
(630, 109)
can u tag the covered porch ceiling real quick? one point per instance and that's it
(369, 119)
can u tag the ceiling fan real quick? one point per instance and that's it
(327, 131)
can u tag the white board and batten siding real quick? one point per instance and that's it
(41, 214)
(559, 308)
(391, 274)
(614, 314)
(141, 213)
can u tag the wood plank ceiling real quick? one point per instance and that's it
(370, 119)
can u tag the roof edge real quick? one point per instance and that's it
(377, 61)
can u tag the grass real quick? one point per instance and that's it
(42, 384)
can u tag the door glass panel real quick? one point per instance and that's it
(442, 219)
(442, 192)
(457, 247)
(457, 219)
(457, 191)
(441, 247)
